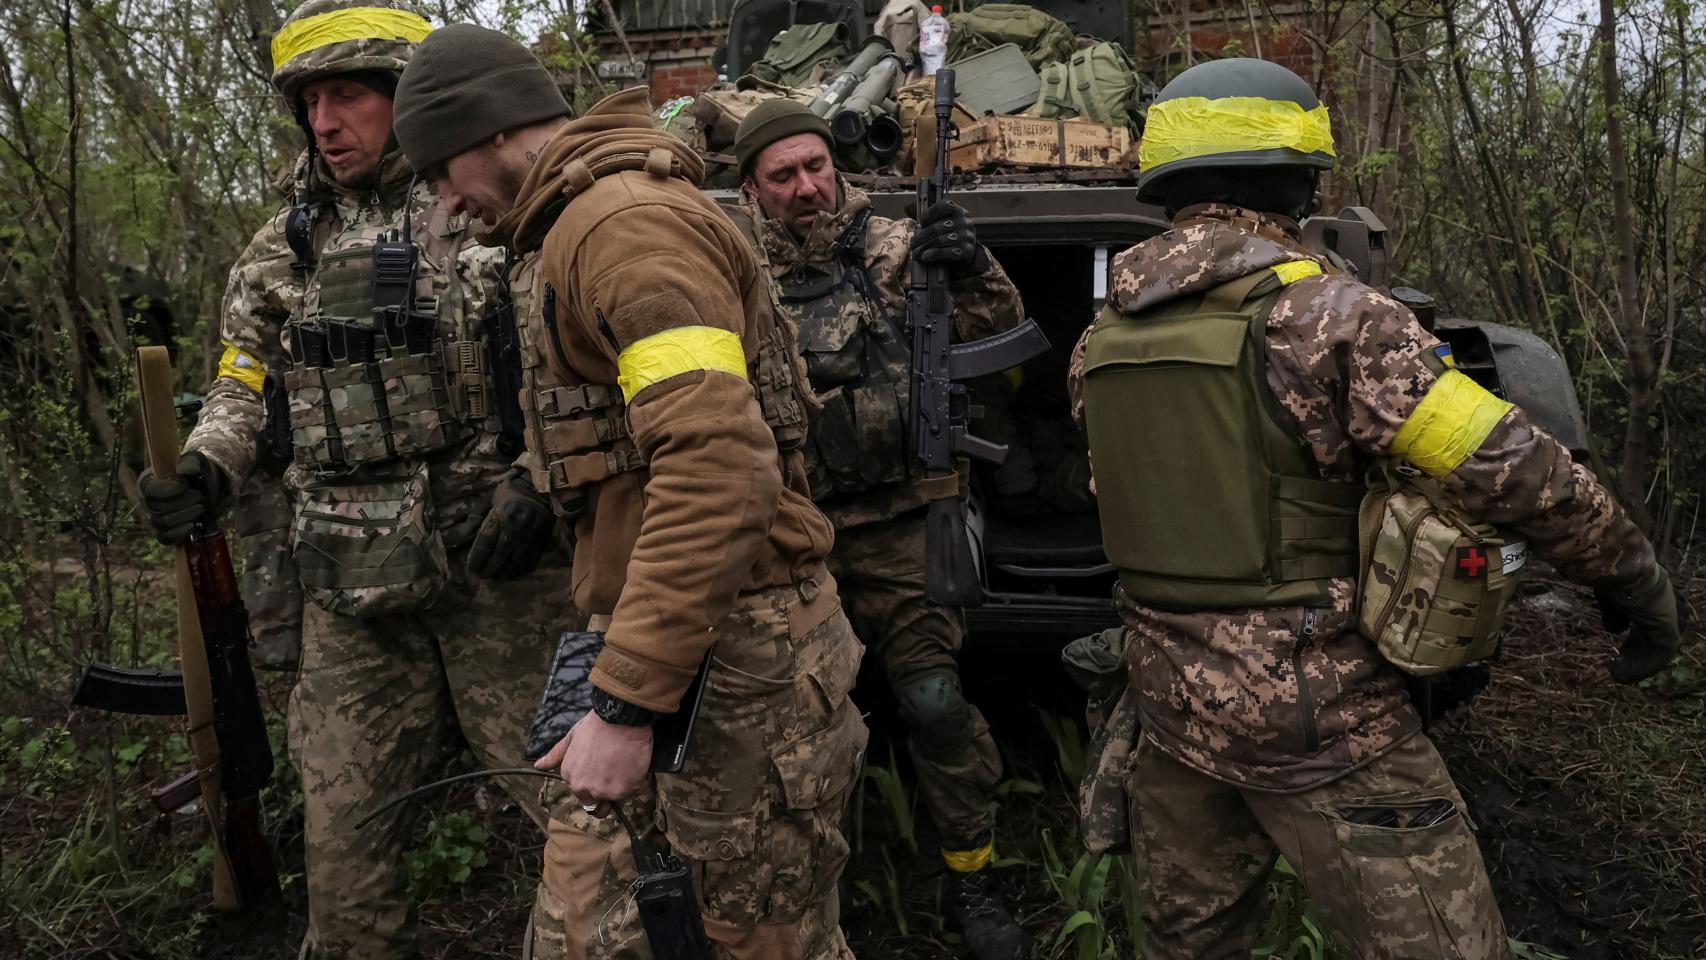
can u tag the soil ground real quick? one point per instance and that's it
(1590, 798)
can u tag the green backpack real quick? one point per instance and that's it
(1098, 84)
(796, 51)
(1043, 38)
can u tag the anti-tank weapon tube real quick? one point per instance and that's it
(870, 103)
(841, 86)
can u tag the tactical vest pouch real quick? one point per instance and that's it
(373, 383)
(369, 548)
(582, 439)
(858, 437)
(1435, 584)
(785, 396)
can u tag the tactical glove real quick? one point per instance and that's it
(946, 236)
(176, 506)
(1645, 605)
(515, 533)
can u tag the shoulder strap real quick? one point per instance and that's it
(1228, 297)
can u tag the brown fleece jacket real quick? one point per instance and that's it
(718, 512)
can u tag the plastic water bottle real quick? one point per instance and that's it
(933, 41)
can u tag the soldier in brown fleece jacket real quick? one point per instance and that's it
(665, 409)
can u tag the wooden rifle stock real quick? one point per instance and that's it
(221, 705)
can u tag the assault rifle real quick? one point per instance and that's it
(215, 691)
(939, 403)
(503, 361)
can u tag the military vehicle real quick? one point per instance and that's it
(1056, 232)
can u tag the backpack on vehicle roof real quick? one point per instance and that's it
(1099, 84)
(1043, 38)
(797, 53)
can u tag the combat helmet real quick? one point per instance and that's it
(325, 37)
(1239, 112)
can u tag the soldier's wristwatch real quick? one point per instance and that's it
(613, 709)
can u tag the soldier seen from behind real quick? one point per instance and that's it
(1239, 393)
(842, 276)
(364, 298)
(665, 408)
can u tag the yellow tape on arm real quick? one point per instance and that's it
(355, 23)
(1199, 127)
(672, 353)
(1296, 270)
(969, 861)
(242, 367)
(1450, 423)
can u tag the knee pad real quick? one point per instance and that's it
(936, 711)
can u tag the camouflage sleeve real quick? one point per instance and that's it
(259, 296)
(985, 304)
(1075, 375)
(1355, 369)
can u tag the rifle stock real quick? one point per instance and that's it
(939, 405)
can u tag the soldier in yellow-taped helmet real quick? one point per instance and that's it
(361, 329)
(1270, 723)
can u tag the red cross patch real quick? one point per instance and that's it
(1471, 563)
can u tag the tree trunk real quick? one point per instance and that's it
(1643, 373)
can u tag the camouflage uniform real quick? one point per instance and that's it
(384, 703)
(271, 591)
(845, 288)
(1265, 731)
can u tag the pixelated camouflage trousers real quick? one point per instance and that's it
(755, 812)
(1389, 890)
(880, 567)
(385, 704)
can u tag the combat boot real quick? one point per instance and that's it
(974, 905)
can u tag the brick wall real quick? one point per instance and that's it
(680, 79)
(1213, 28)
(678, 61)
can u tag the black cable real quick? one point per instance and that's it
(447, 781)
(641, 854)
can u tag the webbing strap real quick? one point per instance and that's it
(573, 436)
(567, 401)
(1317, 568)
(590, 468)
(1452, 625)
(1228, 297)
(1319, 491)
(337, 576)
(1316, 528)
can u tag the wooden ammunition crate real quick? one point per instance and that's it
(1010, 141)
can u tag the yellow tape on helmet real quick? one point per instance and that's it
(1450, 423)
(338, 26)
(674, 352)
(1188, 127)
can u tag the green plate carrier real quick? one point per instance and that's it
(1209, 500)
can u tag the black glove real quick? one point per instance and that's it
(1646, 605)
(515, 533)
(177, 505)
(946, 236)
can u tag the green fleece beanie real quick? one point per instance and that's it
(771, 121)
(463, 85)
